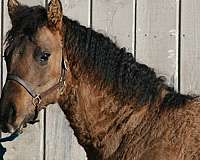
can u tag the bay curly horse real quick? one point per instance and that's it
(118, 108)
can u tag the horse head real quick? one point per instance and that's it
(34, 62)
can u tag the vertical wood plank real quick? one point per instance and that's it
(29, 145)
(77, 10)
(115, 19)
(157, 36)
(60, 140)
(190, 48)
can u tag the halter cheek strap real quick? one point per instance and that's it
(23, 83)
(36, 97)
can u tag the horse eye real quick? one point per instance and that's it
(44, 56)
(41, 56)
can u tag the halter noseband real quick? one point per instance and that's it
(37, 97)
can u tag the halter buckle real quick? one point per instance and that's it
(36, 100)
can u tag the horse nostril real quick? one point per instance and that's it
(4, 128)
(7, 128)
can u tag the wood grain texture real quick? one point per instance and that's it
(29, 145)
(190, 48)
(60, 140)
(157, 36)
(78, 10)
(115, 18)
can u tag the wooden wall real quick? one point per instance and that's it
(165, 34)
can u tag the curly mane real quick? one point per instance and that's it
(117, 68)
(25, 23)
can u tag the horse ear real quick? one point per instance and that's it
(55, 15)
(12, 7)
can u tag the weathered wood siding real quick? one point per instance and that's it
(156, 36)
(165, 34)
(190, 47)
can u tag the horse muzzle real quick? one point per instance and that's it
(7, 117)
(7, 128)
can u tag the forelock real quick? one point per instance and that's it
(25, 23)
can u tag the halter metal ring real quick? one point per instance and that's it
(36, 100)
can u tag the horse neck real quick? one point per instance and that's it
(98, 121)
